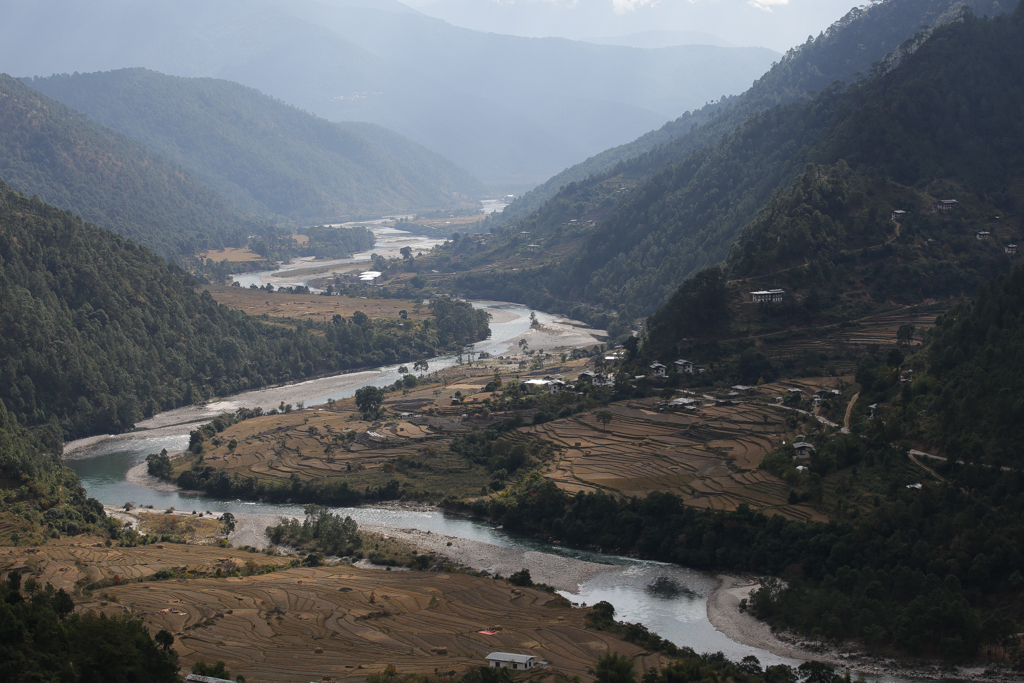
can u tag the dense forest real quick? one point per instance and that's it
(99, 332)
(943, 111)
(50, 150)
(265, 156)
(831, 242)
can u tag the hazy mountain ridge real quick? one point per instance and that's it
(265, 156)
(847, 48)
(463, 94)
(48, 149)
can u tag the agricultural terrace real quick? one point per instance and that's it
(409, 444)
(709, 458)
(278, 305)
(845, 343)
(301, 624)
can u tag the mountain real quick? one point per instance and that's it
(50, 150)
(263, 155)
(660, 38)
(739, 21)
(846, 52)
(513, 111)
(686, 217)
(100, 332)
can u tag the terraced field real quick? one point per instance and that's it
(303, 624)
(709, 458)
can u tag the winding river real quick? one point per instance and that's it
(678, 614)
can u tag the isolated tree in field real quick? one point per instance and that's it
(369, 400)
(905, 333)
(420, 365)
(523, 344)
(228, 521)
(604, 417)
(406, 252)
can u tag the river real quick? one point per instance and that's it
(678, 613)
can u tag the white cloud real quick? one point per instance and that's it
(766, 5)
(623, 6)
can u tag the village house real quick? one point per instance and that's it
(684, 366)
(897, 215)
(1010, 249)
(771, 296)
(196, 678)
(508, 660)
(803, 450)
(945, 205)
(982, 235)
(657, 369)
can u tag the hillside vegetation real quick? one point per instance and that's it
(944, 113)
(50, 150)
(866, 39)
(99, 332)
(263, 155)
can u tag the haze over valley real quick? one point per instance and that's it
(467, 341)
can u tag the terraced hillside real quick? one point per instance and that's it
(301, 624)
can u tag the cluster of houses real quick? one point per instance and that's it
(682, 367)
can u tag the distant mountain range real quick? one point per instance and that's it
(846, 51)
(264, 156)
(512, 111)
(741, 22)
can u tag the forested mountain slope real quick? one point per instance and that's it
(845, 52)
(948, 110)
(100, 332)
(831, 242)
(48, 149)
(263, 155)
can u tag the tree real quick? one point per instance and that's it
(420, 365)
(521, 578)
(612, 667)
(905, 333)
(604, 417)
(523, 344)
(228, 520)
(369, 400)
(164, 638)
(406, 253)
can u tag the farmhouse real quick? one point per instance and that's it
(508, 660)
(657, 369)
(803, 450)
(196, 678)
(945, 205)
(771, 296)
(1010, 249)
(684, 366)
(897, 215)
(982, 235)
(369, 276)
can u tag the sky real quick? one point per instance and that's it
(778, 24)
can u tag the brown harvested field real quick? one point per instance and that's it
(709, 458)
(231, 255)
(334, 442)
(302, 624)
(278, 305)
(877, 330)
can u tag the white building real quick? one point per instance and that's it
(772, 296)
(657, 369)
(509, 660)
(684, 366)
